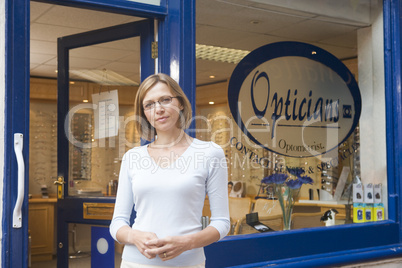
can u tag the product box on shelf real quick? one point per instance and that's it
(378, 212)
(358, 193)
(368, 193)
(368, 212)
(377, 193)
(358, 212)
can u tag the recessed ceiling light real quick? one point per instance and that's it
(211, 102)
(223, 54)
(85, 100)
(212, 76)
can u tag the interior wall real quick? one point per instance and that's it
(372, 122)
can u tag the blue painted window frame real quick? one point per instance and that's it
(310, 248)
(337, 245)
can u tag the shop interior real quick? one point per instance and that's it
(238, 25)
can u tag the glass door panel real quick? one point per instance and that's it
(95, 157)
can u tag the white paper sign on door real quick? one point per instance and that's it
(106, 114)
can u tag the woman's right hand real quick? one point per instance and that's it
(139, 239)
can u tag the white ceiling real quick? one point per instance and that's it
(238, 24)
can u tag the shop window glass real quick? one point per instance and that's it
(362, 155)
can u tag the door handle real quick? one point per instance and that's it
(60, 187)
(17, 214)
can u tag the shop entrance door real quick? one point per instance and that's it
(89, 153)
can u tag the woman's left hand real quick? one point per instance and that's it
(169, 247)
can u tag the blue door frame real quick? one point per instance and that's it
(176, 21)
(15, 254)
(70, 208)
(349, 243)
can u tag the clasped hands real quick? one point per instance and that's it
(166, 248)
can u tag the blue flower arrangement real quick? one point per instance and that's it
(286, 183)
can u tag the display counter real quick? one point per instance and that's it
(41, 227)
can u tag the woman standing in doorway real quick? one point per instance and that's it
(166, 182)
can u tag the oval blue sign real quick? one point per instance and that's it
(294, 99)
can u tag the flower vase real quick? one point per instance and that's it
(287, 190)
(287, 217)
(287, 203)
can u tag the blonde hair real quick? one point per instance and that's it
(144, 128)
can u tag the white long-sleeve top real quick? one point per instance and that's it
(168, 199)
